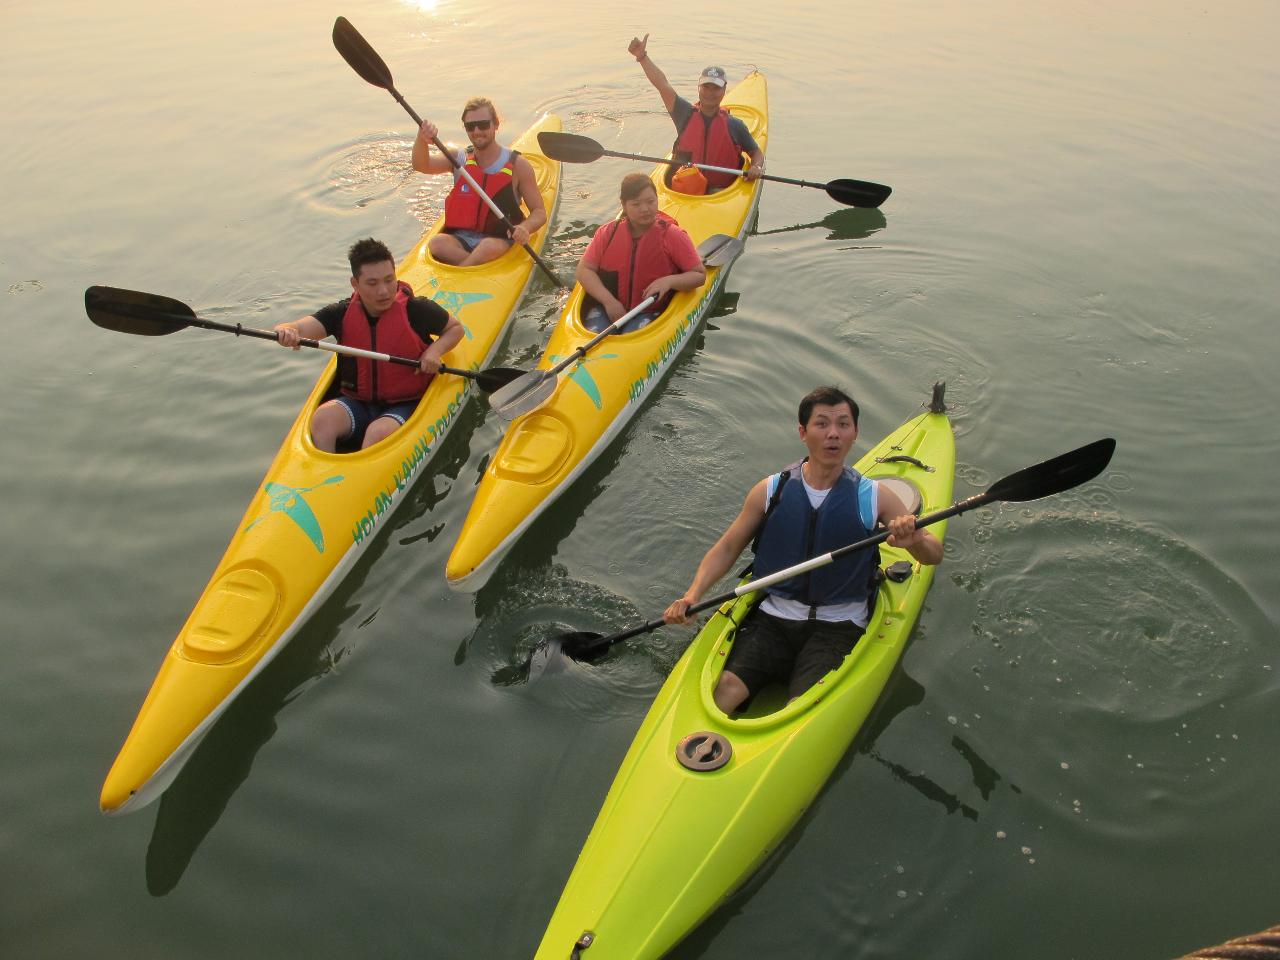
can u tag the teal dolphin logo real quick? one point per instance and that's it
(454, 302)
(580, 375)
(289, 501)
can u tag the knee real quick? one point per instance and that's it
(730, 692)
(379, 430)
(445, 249)
(487, 249)
(330, 424)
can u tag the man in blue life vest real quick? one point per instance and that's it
(382, 315)
(704, 132)
(472, 234)
(807, 625)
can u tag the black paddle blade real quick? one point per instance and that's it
(131, 311)
(583, 646)
(858, 193)
(1053, 476)
(569, 147)
(363, 58)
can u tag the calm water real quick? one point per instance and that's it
(1077, 760)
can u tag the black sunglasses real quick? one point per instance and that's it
(477, 125)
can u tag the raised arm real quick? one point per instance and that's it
(639, 49)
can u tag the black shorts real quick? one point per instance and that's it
(796, 652)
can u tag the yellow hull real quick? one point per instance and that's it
(312, 518)
(544, 451)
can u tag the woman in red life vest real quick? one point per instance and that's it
(472, 234)
(642, 254)
(704, 132)
(384, 316)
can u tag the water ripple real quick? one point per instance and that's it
(1151, 627)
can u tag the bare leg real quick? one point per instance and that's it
(447, 249)
(730, 692)
(490, 248)
(330, 423)
(379, 430)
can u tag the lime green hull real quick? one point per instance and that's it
(672, 843)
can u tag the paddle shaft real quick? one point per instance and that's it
(241, 330)
(735, 171)
(581, 352)
(575, 148)
(979, 500)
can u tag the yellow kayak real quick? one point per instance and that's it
(312, 518)
(545, 450)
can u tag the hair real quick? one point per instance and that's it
(828, 396)
(367, 251)
(475, 103)
(634, 184)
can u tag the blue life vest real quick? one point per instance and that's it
(793, 532)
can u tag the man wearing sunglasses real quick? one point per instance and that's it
(472, 234)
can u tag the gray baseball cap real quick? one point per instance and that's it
(713, 75)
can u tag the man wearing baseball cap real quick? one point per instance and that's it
(704, 132)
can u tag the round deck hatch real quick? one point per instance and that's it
(703, 751)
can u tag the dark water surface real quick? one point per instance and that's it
(1078, 758)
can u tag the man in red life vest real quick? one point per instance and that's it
(644, 253)
(704, 132)
(472, 234)
(382, 315)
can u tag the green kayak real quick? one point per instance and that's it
(701, 798)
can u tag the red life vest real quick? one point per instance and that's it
(627, 266)
(713, 146)
(377, 380)
(463, 208)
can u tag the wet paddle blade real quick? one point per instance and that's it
(363, 59)
(719, 250)
(523, 395)
(131, 311)
(858, 193)
(546, 658)
(569, 147)
(1053, 476)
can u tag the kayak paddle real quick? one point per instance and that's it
(365, 61)
(153, 315)
(575, 148)
(1031, 483)
(536, 387)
